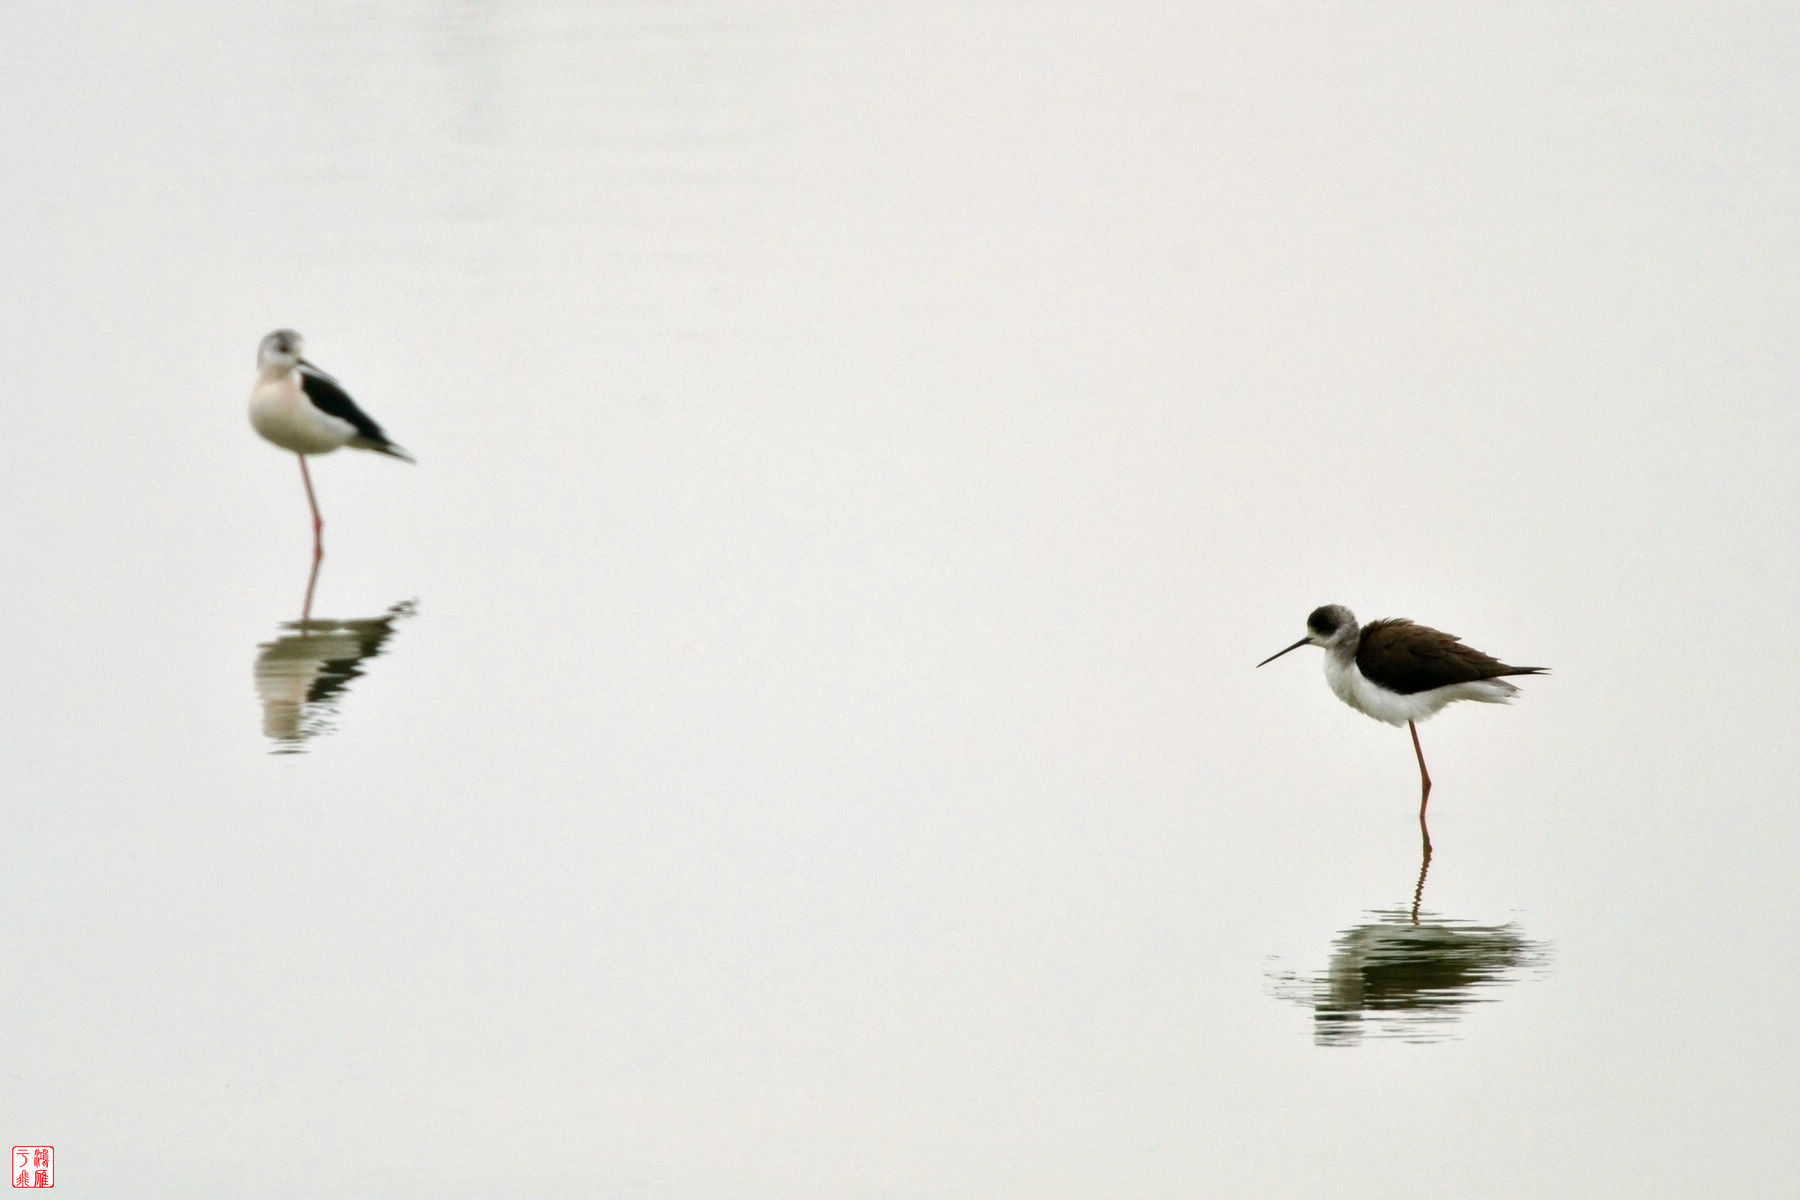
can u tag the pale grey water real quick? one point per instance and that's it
(794, 733)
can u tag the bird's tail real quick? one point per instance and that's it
(383, 447)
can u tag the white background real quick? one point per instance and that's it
(863, 450)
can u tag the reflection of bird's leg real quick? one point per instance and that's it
(1424, 776)
(318, 521)
(1424, 866)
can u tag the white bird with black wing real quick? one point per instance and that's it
(300, 408)
(1400, 672)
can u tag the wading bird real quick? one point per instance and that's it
(301, 408)
(1400, 672)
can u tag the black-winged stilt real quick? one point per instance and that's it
(300, 408)
(1400, 672)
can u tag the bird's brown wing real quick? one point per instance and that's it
(1405, 657)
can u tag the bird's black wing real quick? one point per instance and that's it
(1405, 657)
(330, 398)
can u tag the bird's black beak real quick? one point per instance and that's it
(1305, 641)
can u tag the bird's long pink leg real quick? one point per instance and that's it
(311, 582)
(1424, 777)
(318, 521)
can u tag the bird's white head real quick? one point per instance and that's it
(1330, 625)
(279, 353)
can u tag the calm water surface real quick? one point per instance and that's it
(794, 732)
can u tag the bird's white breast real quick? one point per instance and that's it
(1350, 686)
(280, 411)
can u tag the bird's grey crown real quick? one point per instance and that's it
(283, 342)
(1327, 619)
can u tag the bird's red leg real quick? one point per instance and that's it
(318, 521)
(306, 605)
(1424, 778)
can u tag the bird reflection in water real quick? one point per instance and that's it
(1407, 974)
(301, 675)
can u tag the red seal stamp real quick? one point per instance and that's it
(33, 1166)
